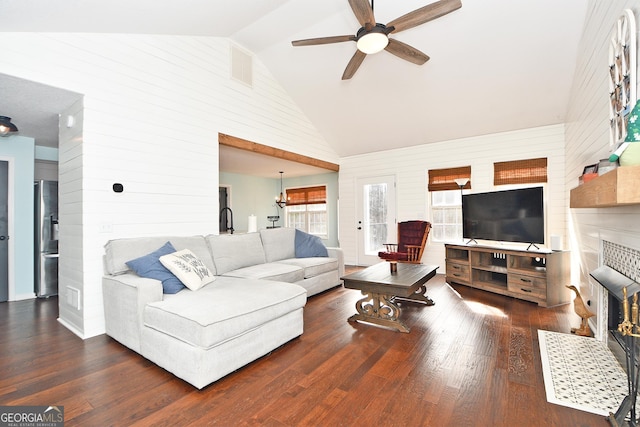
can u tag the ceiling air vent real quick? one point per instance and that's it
(241, 66)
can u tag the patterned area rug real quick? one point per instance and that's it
(581, 373)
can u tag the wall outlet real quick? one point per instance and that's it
(105, 228)
(73, 297)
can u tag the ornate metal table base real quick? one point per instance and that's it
(383, 310)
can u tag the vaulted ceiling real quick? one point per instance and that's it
(496, 65)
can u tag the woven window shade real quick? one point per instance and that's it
(307, 196)
(445, 179)
(527, 171)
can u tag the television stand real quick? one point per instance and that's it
(536, 276)
(534, 245)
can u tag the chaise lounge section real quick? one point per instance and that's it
(254, 305)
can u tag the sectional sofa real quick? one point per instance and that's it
(248, 297)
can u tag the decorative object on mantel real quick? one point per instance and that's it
(588, 173)
(622, 74)
(628, 154)
(6, 127)
(281, 200)
(581, 310)
(605, 165)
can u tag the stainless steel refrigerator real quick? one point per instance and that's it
(46, 238)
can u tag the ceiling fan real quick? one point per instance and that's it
(373, 37)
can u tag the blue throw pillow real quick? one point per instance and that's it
(149, 266)
(308, 246)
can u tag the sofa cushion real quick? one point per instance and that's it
(149, 266)
(270, 271)
(234, 251)
(313, 266)
(223, 309)
(119, 251)
(188, 268)
(308, 245)
(279, 243)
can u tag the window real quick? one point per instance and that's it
(446, 211)
(306, 210)
(446, 202)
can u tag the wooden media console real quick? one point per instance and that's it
(536, 276)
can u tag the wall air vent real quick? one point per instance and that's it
(241, 66)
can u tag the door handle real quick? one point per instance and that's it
(359, 228)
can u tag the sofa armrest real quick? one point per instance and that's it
(337, 253)
(125, 297)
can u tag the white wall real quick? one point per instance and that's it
(153, 107)
(410, 166)
(587, 141)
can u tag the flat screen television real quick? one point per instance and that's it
(506, 216)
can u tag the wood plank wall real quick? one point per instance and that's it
(587, 141)
(153, 108)
(410, 166)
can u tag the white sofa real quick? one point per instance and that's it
(253, 306)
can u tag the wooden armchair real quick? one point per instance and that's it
(412, 238)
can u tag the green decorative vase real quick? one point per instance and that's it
(631, 155)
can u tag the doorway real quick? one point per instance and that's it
(376, 213)
(4, 230)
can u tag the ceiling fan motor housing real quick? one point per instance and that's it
(372, 40)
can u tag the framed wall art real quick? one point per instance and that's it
(622, 76)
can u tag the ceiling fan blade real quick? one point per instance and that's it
(424, 14)
(363, 11)
(323, 40)
(406, 52)
(353, 65)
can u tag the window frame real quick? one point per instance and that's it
(314, 196)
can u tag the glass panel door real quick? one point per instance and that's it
(376, 217)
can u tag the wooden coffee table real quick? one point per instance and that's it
(382, 288)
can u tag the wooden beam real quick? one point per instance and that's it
(243, 144)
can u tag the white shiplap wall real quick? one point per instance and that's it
(587, 141)
(410, 166)
(153, 107)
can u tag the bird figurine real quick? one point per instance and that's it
(581, 310)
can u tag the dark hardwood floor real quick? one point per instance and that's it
(470, 360)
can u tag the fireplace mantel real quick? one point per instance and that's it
(618, 187)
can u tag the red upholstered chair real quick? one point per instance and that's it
(412, 238)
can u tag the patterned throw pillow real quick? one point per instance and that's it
(188, 268)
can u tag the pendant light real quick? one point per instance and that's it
(281, 200)
(6, 127)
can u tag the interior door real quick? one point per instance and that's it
(376, 212)
(4, 231)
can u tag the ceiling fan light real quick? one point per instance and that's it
(6, 127)
(372, 42)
